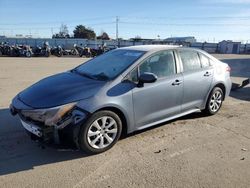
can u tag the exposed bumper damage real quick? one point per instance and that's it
(64, 131)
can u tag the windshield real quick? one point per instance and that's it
(109, 65)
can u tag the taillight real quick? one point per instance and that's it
(228, 69)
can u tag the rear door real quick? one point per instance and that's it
(197, 76)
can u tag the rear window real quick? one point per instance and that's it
(190, 60)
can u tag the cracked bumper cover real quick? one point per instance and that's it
(66, 129)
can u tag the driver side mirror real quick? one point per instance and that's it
(146, 77)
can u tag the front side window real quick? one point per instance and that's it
(190, 60)
(161, 64)
(109, 65)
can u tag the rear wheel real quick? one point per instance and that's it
(214, 101)
(101, 131)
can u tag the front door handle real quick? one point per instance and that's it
(176, 82)
(207, 74)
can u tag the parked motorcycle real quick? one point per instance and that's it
(42, 51)
(21, 51)
(101, 49)
(26, 51)
(96, 52)
(57, 51)
(15, 50)
(74, 51)
(5, 49)
(1, 49)
(81, 51)
(66, 52)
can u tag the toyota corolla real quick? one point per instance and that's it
(122, 91)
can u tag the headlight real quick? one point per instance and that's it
(49, 116)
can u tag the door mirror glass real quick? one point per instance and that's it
(146, 77)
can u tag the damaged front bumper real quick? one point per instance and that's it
(33, 128)
(66, 130)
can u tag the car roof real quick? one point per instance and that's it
(148, 48)
(155, 48)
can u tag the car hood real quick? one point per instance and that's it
(60, 89)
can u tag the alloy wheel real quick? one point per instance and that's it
(102, 132)
(215, 101)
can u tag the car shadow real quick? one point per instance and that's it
(19, 153)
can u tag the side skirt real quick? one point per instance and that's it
(168, 119)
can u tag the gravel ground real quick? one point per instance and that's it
(193, 151)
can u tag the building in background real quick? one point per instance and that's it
(185, 41)
(206, 46)
(229, 47)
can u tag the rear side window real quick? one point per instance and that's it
(190, 60)
(205, 62)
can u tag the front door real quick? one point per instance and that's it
(159, 100)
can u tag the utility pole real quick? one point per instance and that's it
(52, 33)
(117, 30)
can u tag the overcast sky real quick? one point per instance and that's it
(207, 20)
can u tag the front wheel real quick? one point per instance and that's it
(101, 131)
(214, 101)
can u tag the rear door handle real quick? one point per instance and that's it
(176, 82)
(207, 74)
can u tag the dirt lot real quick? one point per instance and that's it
(194, 151)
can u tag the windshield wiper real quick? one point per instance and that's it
(82, 74)
(101, 76)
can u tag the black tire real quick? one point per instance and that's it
(209, 110)
(46, 54)
(73, 52)
(28, 54)
(83, 138)
(59, 54)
